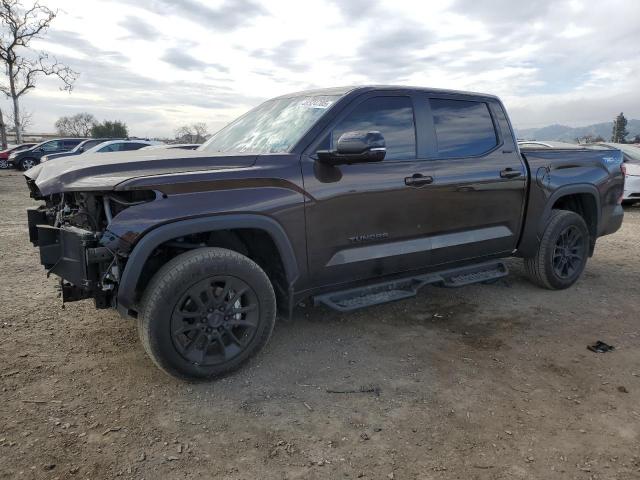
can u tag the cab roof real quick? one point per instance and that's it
(341, 91)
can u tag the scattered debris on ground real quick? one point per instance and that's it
(601, 347)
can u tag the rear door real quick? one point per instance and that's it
(476, 201)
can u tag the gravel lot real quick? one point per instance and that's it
(484, 382)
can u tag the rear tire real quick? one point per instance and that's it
(562, 253)
(4, 164)
(205, 313)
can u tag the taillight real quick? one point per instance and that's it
(623, 169)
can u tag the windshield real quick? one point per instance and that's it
(273, 127)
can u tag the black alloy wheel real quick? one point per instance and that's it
(562, 252)
(206, 312)
(214, 320)
(569, 252)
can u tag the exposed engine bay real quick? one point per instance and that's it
(68, 228)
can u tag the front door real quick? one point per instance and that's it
(368, 219)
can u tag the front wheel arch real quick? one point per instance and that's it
(127, 289)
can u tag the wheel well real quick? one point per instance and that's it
(584, 204)
(254, 243)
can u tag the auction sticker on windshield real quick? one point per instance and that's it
(318, 102)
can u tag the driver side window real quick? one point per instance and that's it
(391, 116)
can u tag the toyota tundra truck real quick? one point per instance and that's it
(344, 197)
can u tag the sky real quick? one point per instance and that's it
(161, 64)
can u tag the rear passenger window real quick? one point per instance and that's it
(91, 143)
(114, 147)
(133, 146)
(391, 116)
(70, 144)
(463, 128)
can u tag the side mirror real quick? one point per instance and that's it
(81, 150)
(355, 147)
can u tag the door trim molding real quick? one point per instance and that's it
(405, 247)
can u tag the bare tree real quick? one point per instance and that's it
(25, 121)
(194, 133)
(20, 25)
(78, 125)
(3, 131)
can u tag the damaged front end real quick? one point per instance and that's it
(69, 230)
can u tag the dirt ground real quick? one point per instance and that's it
(483, 382)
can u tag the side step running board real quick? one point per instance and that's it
(390, 291)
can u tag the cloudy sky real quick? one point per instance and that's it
(159, 64)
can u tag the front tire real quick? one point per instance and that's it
(27, 163)
(562, 253)
(205, 313)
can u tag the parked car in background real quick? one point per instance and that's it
(173, 146)
(82, 147)
(26, 159)
(4, 154)
(121, 146)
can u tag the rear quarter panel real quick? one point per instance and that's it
(555, 173)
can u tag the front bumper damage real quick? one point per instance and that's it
(74, 254)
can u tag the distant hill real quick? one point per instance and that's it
(563, 133)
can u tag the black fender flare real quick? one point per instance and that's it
(151, 240)
(570, 190)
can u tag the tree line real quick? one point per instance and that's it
(619, 133)
(85, 125)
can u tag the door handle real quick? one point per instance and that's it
(417, 180)
(510, 173)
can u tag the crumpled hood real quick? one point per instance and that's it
(103, 171)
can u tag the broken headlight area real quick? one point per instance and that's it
(68, 230)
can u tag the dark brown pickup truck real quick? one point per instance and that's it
(348, 196)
